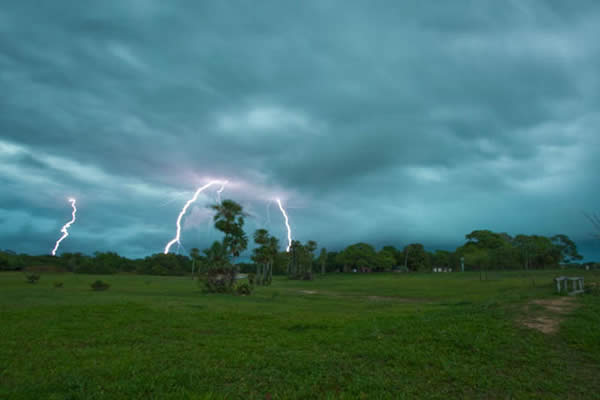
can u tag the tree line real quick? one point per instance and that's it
(483, 249)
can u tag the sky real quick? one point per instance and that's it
(385, 122)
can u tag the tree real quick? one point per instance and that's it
(357, 256)
(566, 248)
(487, 239)
(536, 251)
(385, 260)
(229, 219)
(301, 260)
(398, 254)
(441, 259)
(415, 257)
(216, 256)
(264, 256)
(195, 255)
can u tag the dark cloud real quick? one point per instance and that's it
(389, 123)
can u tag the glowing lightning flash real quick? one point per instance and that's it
(184, 209)
(64, 230)
(221, 191)
(287, 225)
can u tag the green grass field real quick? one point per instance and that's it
(368, 336)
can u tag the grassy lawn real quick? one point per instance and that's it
(436, 336)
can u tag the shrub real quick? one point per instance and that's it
(243, 289)
(32, 278)
(592, 288)
(99, 285)
(218, 280)
(58, 284)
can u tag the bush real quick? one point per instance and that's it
(218, 280)
(58, 284)
(32, 278)
(99, 285)
(592, 288)
(243, 289)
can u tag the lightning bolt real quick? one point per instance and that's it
(184, 209)
(287, 225)
(221, 191)
(65, 228)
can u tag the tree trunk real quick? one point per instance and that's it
(264, 273)
(271, 273)
(257, 277)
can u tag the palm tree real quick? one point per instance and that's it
(273, 250)
(229, 219)
(216, 255)
(264, 256)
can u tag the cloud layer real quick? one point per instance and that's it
(387, 123)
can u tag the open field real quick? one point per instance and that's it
(343, 336)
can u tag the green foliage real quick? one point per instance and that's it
(99, 285)
(385, 261)
(301, 259)
(416, 258)
(398, 254)
(566, 248)
(229, 219)
(264, 256)
(57, 284)
(32, 278)
(218, 280)
(243, 289)
(10, 261)
(441, 259)
(357, 256)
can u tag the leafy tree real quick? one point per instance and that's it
(441, 259)
(385, 260)
(398, 254)
(487, 239)
(566, 248)
(415, 257)
(359, 255)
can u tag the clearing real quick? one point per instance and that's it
(425, 336)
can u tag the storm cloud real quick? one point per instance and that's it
(391, 123)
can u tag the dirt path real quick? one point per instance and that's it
(545, 315)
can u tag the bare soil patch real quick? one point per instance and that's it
(552, 313)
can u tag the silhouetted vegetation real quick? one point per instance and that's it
(483, 250)
(99, 285)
